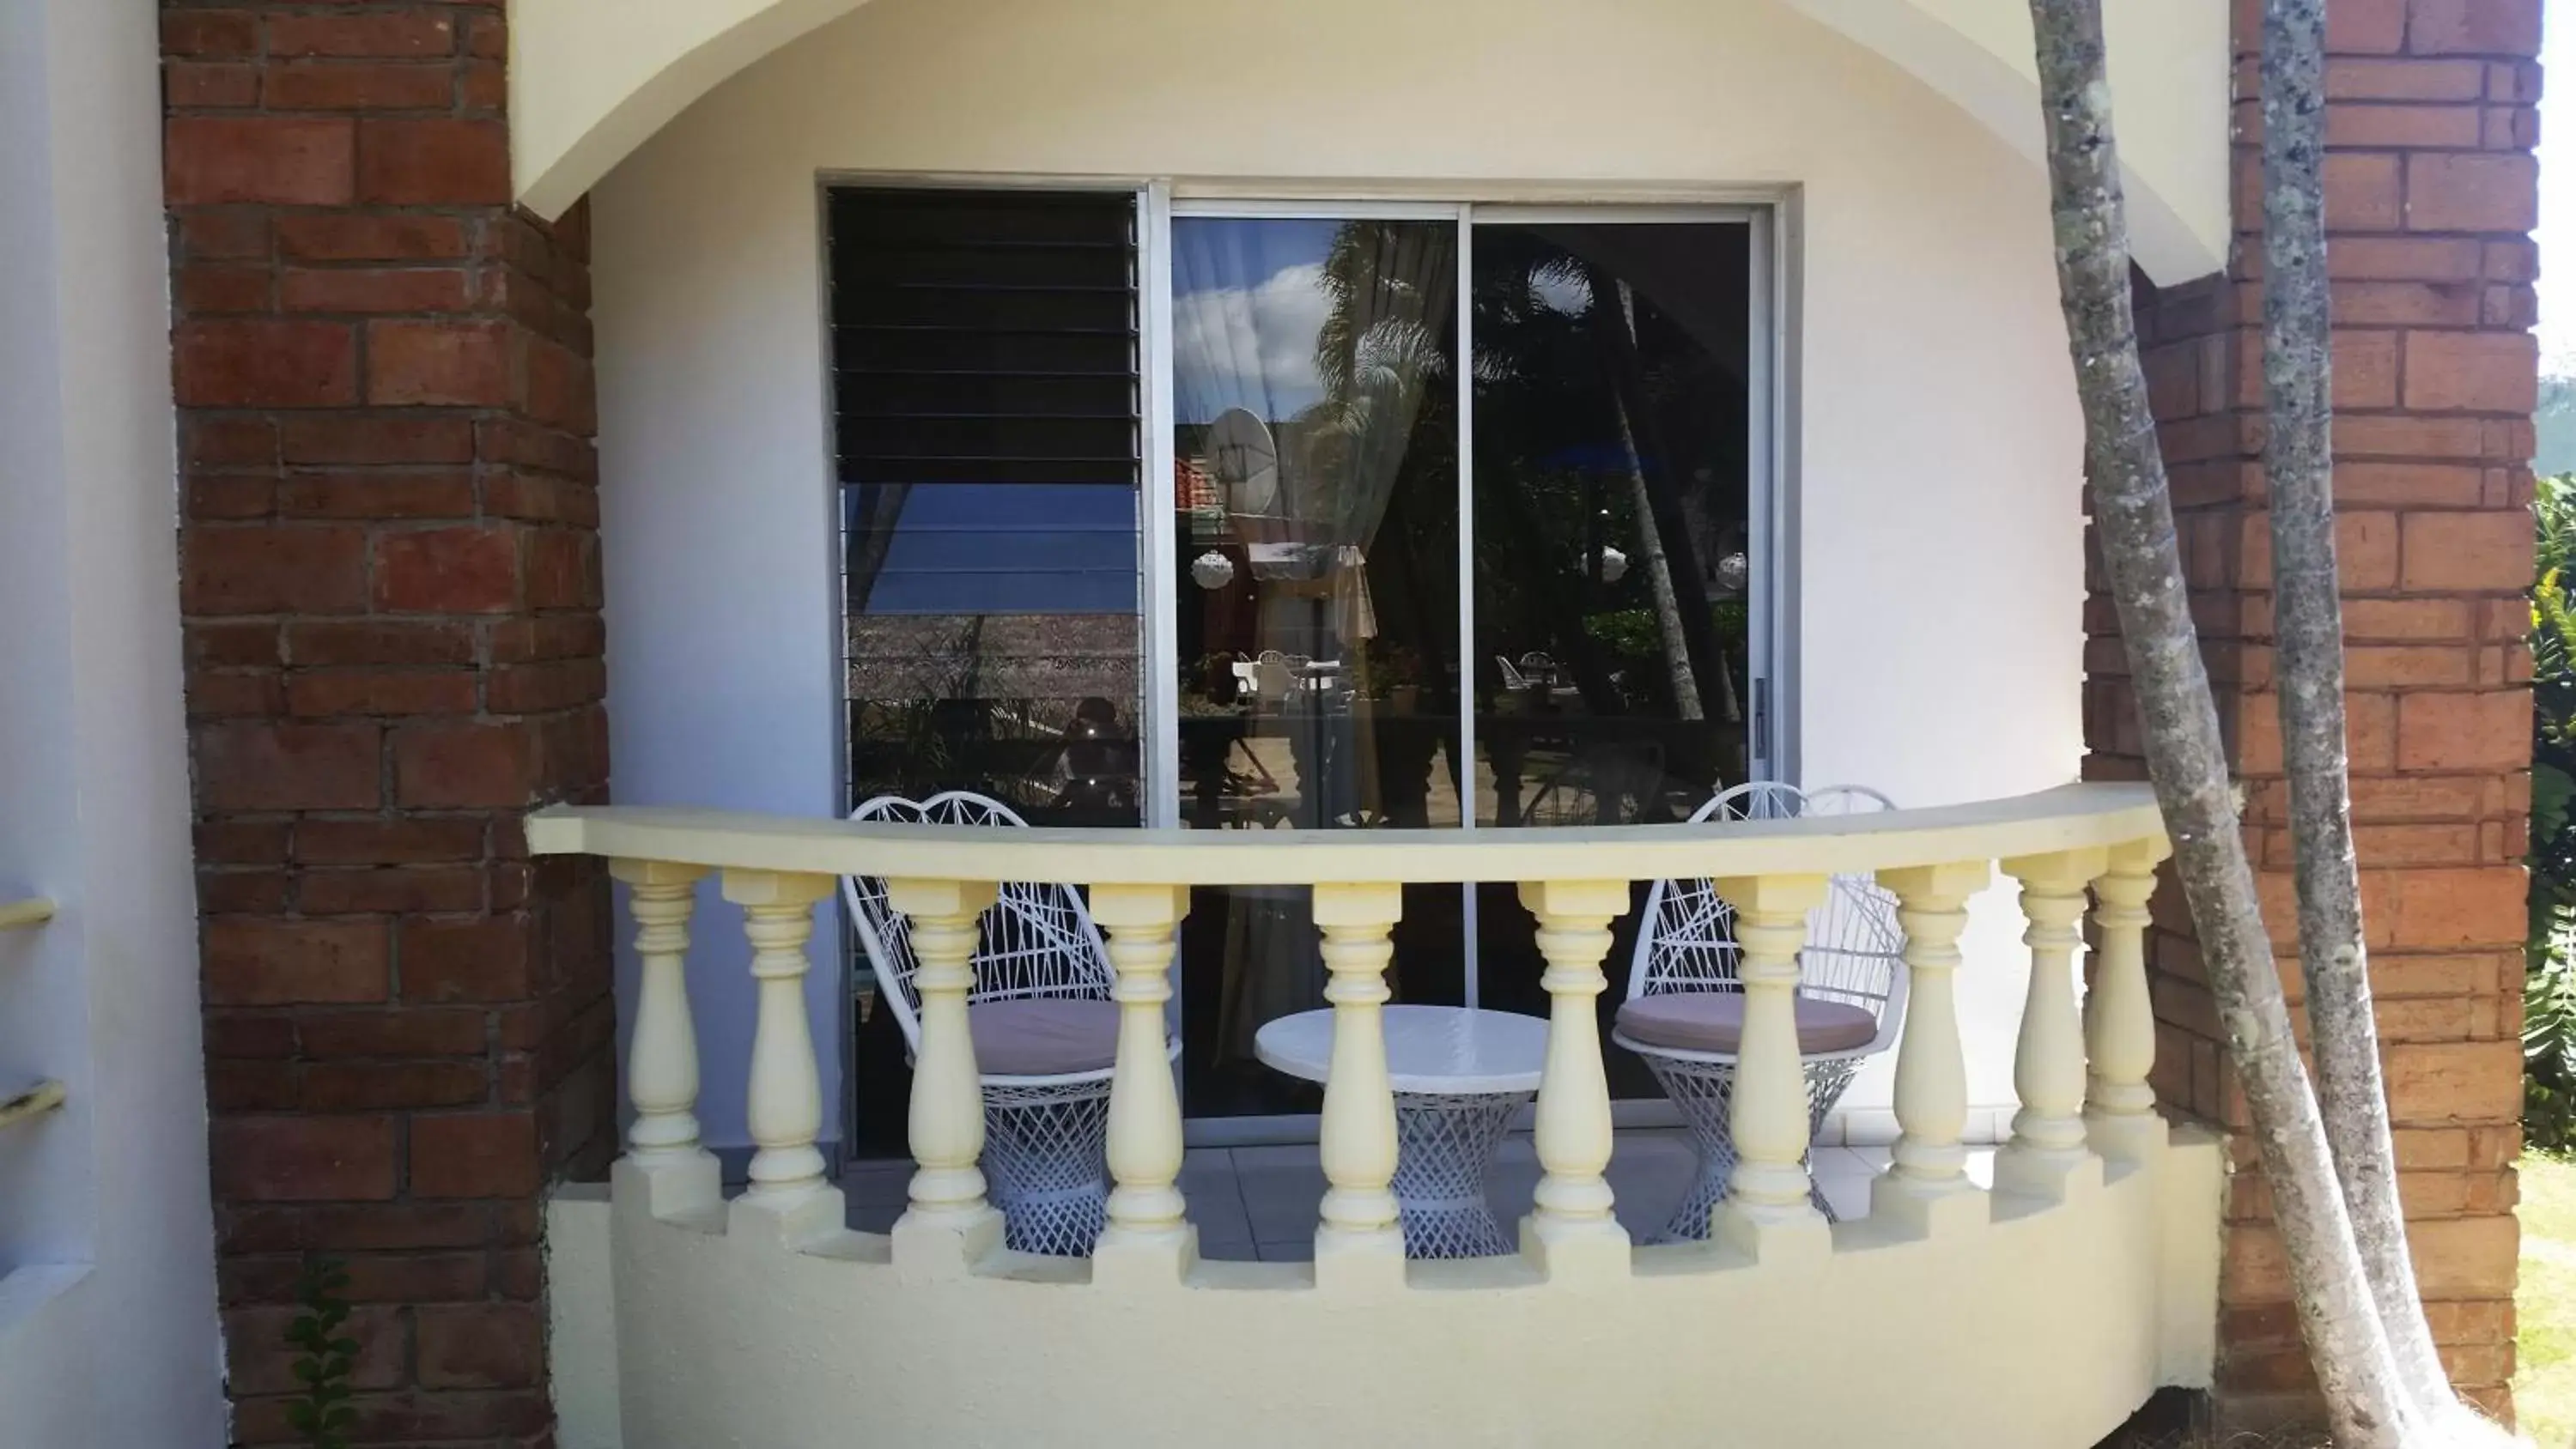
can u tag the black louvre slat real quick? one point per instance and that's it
(999, 265)
(870, 350)
(967, 394)
(882, 470)
(984, 337)
(972, 309)
(913, 436)
(930, 217)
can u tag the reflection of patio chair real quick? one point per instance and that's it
(1540, 667)
(1685, 1009)
(1573, 792)
(1512, 677)
(1044, 1027)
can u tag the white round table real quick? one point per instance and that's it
(1460, 1075)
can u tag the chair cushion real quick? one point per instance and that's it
(1713, 1021)
(1043, 1036)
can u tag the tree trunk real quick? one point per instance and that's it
(1659, 581)
(2365, 1393)
(1688, 573)
(2307, 613)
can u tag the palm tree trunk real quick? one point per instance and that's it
(1659, 581)
(2307, 612)
(2365, 1392)
(1701, 654)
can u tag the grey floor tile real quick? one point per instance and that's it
(877, 1183)
(1849, 1195)
(1215, 1201)
(1281, 1201)
(1281, 1154)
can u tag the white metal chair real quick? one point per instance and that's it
(1684, 1012)
(1044, 1027)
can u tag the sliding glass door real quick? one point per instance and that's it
(1240, 517)
(1615, 533)
(1315, 431)
(1522, 590)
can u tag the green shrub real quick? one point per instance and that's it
(2549, 990)
(326, 1358)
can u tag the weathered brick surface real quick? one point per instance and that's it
(2435, 383)
(393, 644)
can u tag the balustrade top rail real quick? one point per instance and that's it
(2070, 817)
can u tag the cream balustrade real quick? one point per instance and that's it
(2089, 1194)
(2057, 844)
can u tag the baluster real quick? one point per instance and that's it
(1927, 1190)
(677, 1174)
(1570, 1231)
(2047, 1156)
(1147, 1237)
(662, 1054)
(1766, 1211)
(784, 1105)
(2120, 1019)
(947, 1225)
(1359, 1242)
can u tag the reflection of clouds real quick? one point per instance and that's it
(1561, 290)
(1249, 347)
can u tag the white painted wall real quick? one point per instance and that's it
(1939, 540)
(591, 80)
(2043, 1327)
(107, 1313)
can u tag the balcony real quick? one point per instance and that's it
(2040, 1310)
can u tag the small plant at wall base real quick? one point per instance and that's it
(327, 1357)
(2549, 990)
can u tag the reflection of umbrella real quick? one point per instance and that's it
(1294, 573)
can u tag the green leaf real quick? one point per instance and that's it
(2552, 789)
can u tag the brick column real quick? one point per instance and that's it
(2431, 200)
(391, 589)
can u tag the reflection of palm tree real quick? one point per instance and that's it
(1381, 277)
(1382, 345)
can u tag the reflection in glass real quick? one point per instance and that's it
(1611, 520)
(1612, 532)
(985, 378)
(1315, 398)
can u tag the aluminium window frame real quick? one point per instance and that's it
(1774, 216)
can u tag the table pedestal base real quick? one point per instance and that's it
(1444, 1145)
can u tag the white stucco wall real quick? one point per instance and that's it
(1938, 539)
(591, 80)
(2017, 1323)
(107, 1312)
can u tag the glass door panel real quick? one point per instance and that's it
(1613, 538)
(1316, 430)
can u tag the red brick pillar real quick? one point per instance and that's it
(2431, 200)
(391, 585)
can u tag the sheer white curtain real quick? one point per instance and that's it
(1332, 334)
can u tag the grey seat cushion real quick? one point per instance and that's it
(1713, 1021)
(1043, 1037)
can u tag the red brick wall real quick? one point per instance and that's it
(391, 589)
(2431, 200)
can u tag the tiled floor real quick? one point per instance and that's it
(1260, 1202)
